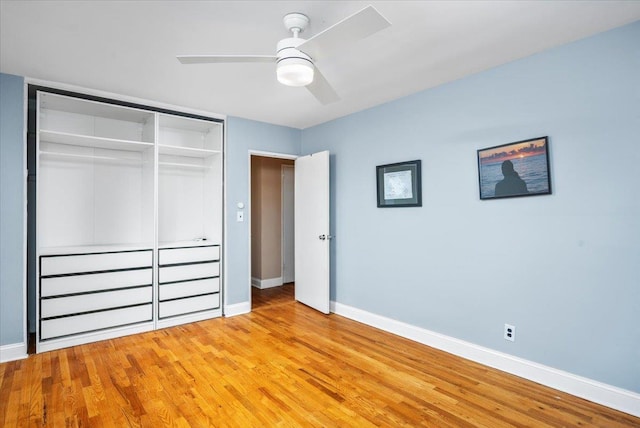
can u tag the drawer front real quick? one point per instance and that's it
(98, 320)
(58, 306)
(189, 288)
(94, 282)
(188, 305)
(188, 255)
(58, 265)
(187, 272)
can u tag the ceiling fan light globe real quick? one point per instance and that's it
(295, 72)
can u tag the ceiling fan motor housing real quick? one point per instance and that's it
(288, 48)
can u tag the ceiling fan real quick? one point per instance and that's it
(295, 57)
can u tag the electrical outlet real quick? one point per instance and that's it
(509, 332)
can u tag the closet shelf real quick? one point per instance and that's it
(184, 165)
(68, 104)
(186, 151)
(91, 141)
(95, 157)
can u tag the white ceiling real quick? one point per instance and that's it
(129, 47)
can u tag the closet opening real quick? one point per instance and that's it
(124, 217)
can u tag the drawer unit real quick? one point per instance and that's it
(83, 323)
(170, 256)
(177, 290)
(189, 305)
(95, 282)
(81, 293)
(189, 280)
(188, 272)
(79, 263)
(90, 302)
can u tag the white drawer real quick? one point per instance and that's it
(94, 282)
(57, 265)
(95, 321)
(94, 301)
(189, 288)
(186, 272)
(188, 305)
(170, 256)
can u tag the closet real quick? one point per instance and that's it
(189, 216)
(128, 218)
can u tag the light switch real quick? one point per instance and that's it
(239, 216)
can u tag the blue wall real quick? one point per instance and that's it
(12, 210)
(244, 135)
(564, 268)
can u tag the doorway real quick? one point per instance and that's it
(272, 226)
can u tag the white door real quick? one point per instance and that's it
(312, 230)
(288, 271)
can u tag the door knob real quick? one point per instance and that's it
(322, 237)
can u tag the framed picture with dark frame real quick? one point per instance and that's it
(399, 184)
(515, 169)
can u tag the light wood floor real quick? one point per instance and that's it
(270, 297)
(282, 365)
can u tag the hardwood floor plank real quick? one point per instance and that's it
(283, 365)
(270, 297)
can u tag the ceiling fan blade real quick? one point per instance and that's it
(351, 29)
(210, 59)
(321, 89)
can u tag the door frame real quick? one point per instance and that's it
(247, 217)
(283, 168)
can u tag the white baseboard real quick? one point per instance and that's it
(13, 351)
(598, 392)
(237, 309)
(266, 283)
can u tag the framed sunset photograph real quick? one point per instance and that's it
(515, 169)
